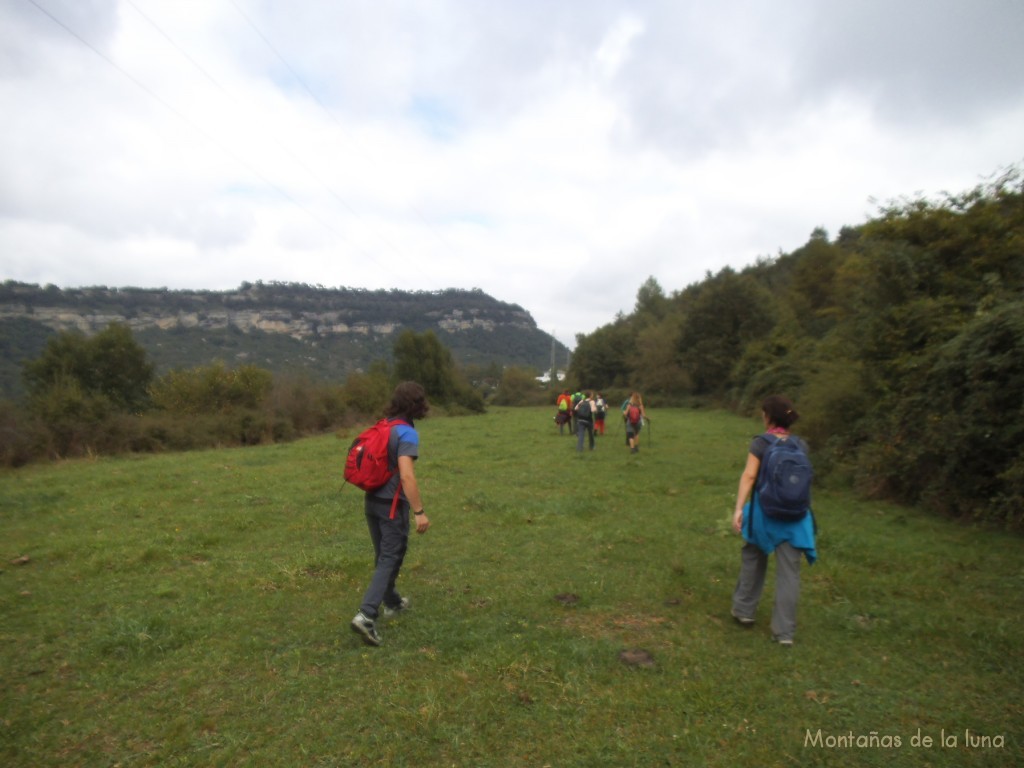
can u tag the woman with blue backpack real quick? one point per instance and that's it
(773, 513)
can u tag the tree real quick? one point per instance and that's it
(212, 389)
(812, 293)
(603, 359)
(955, 441)
(655, 358)
(111, 365)
(424, 359)
(519, 386)
(367, 392)
(730, 312)
(651, 301)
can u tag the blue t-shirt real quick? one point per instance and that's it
(403, 441)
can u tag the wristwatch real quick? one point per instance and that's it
(421, 512)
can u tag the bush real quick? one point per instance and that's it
(212, 389)
(23, 437)
(955, 444)
(367, 393)
(74, 419)
(307, 408)
(519, 387)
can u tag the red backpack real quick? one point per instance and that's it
(633, 414)
(366, 465)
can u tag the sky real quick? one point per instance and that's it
(555, 155)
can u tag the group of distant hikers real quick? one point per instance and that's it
(772, 513)
(584, 413)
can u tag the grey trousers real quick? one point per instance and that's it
(584, 427)
(753, 567)
(390, 539)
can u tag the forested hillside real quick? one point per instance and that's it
(901, 339)
(326, 333)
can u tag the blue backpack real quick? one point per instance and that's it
(784, 482)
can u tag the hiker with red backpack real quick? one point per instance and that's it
(394, 443)
(773, 513)
(633, 414)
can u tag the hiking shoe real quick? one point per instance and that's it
(394, 610)
(783, 641)
(367, 627)
(743, 620)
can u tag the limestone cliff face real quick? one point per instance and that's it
(308, 325)
(296, 311)
(287, 328)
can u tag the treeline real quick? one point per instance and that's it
(100, 395)
(901, 340)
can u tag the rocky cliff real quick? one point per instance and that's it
(325, 332)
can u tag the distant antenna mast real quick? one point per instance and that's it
(553, 376)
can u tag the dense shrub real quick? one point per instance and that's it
(212, 389)
(519, 386)
(900, 342)
(956, 443)
(23, 437)
(110, 366)
(308, 408)
(367, 393)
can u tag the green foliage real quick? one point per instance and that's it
(309, 408)
(603, 358)
(79, 390)
(74, 418)
(813, 289)
(21, 339)
(651, 301)
(367, 393)
(730, 312)
(421, 357)
(110, 366)
(655, 359)
(519, 387)
(23, 437)
(211, 405)
(212, 389)
(880, 335)
(958, 441)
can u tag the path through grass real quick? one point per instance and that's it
(192, 610)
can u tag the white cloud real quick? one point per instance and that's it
(554, 155)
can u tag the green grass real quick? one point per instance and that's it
(192, 610)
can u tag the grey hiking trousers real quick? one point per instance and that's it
(390, 539)
(753, 568)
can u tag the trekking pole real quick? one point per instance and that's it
(650, 433)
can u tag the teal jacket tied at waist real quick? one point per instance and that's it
(766, 533)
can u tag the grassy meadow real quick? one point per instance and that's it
(568, 610)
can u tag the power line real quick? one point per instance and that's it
(192, 124)
(294, 158)
(323, 106)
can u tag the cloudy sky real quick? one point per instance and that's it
(553, 154)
